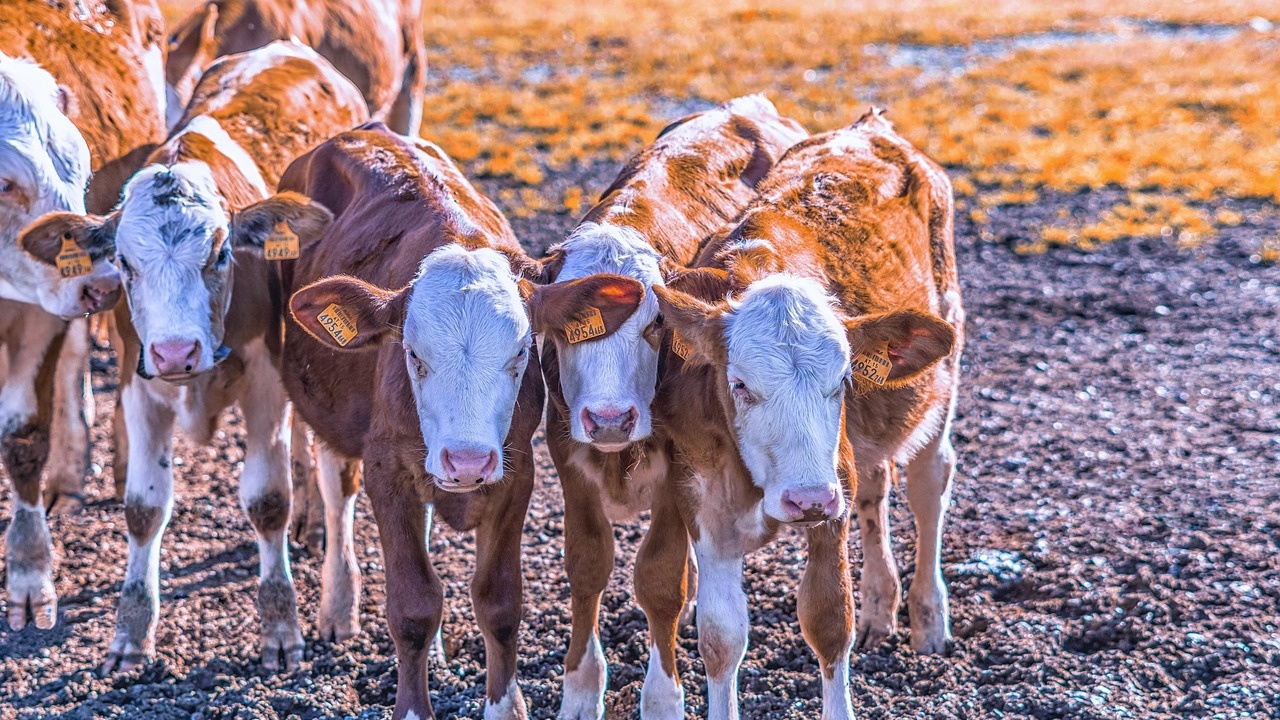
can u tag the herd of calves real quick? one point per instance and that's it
(751, 328)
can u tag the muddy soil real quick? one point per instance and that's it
(1111, 549)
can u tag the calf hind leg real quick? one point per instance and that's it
(929, 478)
(339, 481)
(881, 589)
(307, 524)
(72, 417)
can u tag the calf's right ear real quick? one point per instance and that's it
(604, 298)
(44, 238)
(347, 313)
(280, 216)
(699, 324)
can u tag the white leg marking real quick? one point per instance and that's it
(661, 698)
(340, 583)
(509, 707)
(722, 627)
(836, 703)
(881, 590)
(584, 687)
(929, 477)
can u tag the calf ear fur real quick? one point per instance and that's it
(347, 313)
(914, 340)
(252, 225)
(43, 238)
(616, 297)
(700, 324)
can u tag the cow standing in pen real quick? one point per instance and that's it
(80, 103)
(202, 327)
(613, 461)
(836, 356)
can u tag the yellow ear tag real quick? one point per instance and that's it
(340, 323)
(875, 365)
(72, 260)
(587, 326)
(680, 346)
(281, 244)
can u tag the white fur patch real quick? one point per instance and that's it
(661, 698)
(222, 142)
(584, 687)
(510, 707)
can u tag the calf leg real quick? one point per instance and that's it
(72, 417)
(119, 428)
(588, 558)
(415, 597)
(148, 504)
(339, 480)
(25, 411)
(722, 626)
(825, 606)
(661, 586)
(497, 587)
(307, 523)
(881, 590)
(929, 477)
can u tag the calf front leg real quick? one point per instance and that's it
(25, 410)
(415, 597)
(307, 523)
(265, 497)
(588, 558)
(722, 626)
(72, 417)
(825, 606)
(881, 589)
(339, 481)
(497, 587)
(661, 586)
(148, 504)
(929, 477)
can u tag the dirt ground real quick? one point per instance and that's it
(1111, 550)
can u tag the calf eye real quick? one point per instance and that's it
(740, 391)
(125, 268)
(224, 256)
(7, 186)
(416, 365)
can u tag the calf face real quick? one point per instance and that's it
(466, 339)
(44, 168)
(608, 370)
(782, 356)
(174, 239)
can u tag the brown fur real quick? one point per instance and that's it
(389, 214)
(387, 64)
(98, 60)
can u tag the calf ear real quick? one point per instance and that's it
(588, 308)
(706, 284)
(700, 326)
(348, 313)
(43, 239)
(912, 341)
(288, 212)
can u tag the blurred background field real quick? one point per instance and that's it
(1173, 103)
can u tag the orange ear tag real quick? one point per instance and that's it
(589, 325)
(72, 260)
(281, 244)
(340, 323)
(875, 365)
(680, 346)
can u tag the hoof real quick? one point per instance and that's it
(66, 503)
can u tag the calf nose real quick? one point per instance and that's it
(468, 465)
(811, 504)
(609, 425)
(175, 357)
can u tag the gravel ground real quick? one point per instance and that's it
(1111, 553)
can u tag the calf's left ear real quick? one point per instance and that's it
(44, 238)
(912, 340)
(287, 212)
(347, 313)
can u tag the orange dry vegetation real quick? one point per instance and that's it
(518, 89)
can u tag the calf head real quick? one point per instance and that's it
(44, 168)
(782, 357)
(466, 340)
(607, 334)
(174, 239)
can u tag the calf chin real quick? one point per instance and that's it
(805, 504)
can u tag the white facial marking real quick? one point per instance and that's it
(44, 167)
(467, 342)
(168, 222)
(788, 364)
(616, 374)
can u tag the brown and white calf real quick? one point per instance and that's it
(202, 326)
(378, 44)
(836, 356)
(612, 461)
(76, 101)
(416, 359)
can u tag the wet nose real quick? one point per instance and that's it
(99, 295)
(468, 465)
(609, 425)
(811, 504)
(175, 357)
